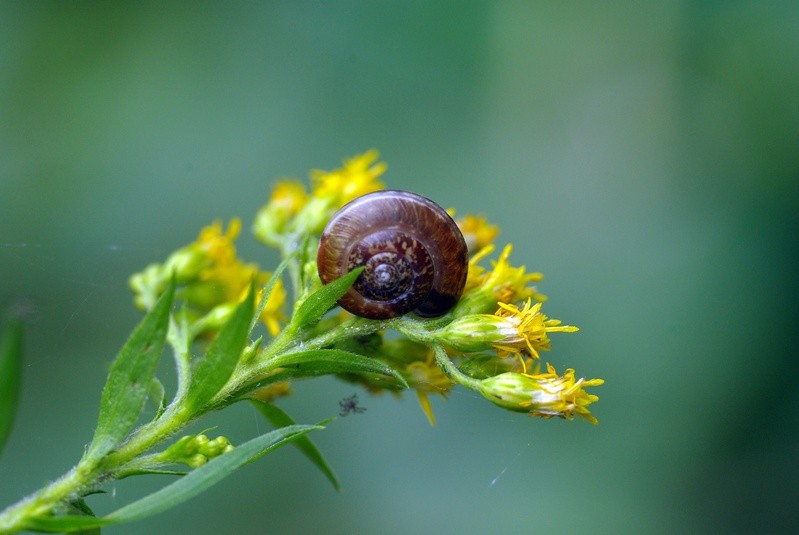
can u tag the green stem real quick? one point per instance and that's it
(13, 518)
(286, 343)
(87, 475)
(452, 371)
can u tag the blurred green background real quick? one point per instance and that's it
(644, 156)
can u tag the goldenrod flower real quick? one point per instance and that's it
(511, 330)
(228, 276)
(476, 273)
(525, 329)
(477, 231)
(273, 219)
(212, 278)
(544, 395)
(218, 245)
(425, 377)
(273, 391)
(511, 283)
(357, 177)
(504, 283)
(288, 197)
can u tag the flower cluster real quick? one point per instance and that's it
(491, 341)
(212, 280)
(292, 212)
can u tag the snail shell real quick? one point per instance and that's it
(414, 255)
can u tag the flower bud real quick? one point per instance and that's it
(196, 450)
(186, 263)
(544, 395)
(475, 332)
(273, 220)
(196, 460)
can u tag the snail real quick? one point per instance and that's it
(414, 255)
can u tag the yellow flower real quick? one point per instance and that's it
(510, 283)
(288, 197)
(274, 218)
(213, 280)
(224, 273)
(218, 245)
(476, 272)
(525, 329)
(477, 231)
(544, 395)
(511, 331)
(504, 283)
(273, 391)
(562, 396)
(425, 377)
(357, 177)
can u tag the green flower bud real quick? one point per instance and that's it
(543, 394)
(196, 450)
(215, 319)
(186, 263)
(147, 285)
(509, 390)
(475, 332)
(273, 220)
(215, 447)
(196, 460)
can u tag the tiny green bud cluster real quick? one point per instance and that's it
(196, 450)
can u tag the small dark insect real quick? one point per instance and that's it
(349, 405)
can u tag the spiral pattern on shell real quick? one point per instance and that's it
(414, 255)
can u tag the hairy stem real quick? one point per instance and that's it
(86, 474)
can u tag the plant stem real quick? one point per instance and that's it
(86, 475)
(13, 518)
(452, 371)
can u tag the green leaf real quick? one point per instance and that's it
(324, 361)
(182, 489)
(152, 471)
(270, 285)
(208, 474)
(80, 507)
(157, 397)
(11, 342)
(128, 383)
(279, 418)
(216, 368)
(65, 524)
(318, 303)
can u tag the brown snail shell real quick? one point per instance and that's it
(414, 255)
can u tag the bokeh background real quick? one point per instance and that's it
(644, 156)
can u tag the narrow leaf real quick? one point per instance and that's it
(157, 396)
(318, 303)
(270, 285)
(153, 471)
(336, 361)
(129, 380)
(207, 475)
(182, 489)
(80, 507)
(279, 418)
(65, 524)
(11, 342)
(216, 368)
